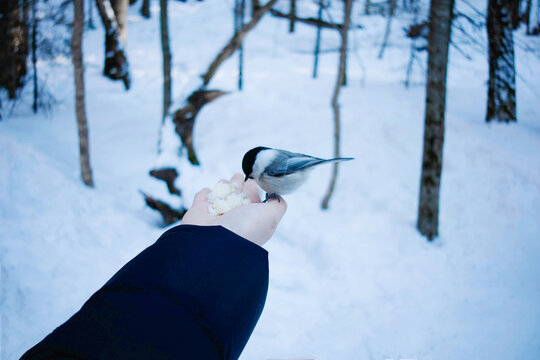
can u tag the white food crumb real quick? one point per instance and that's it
(223, 198)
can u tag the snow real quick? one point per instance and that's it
(354, 282)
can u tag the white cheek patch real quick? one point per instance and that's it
(263, 159)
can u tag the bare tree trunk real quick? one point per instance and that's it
(391, 10)
(116, 64)
(239, 9)
(145, 9)
(318, 40)
(241, 50)
(77, 56)
(255, 5)
(292, 15)
(502, 74)
(34, 56)
(166, 58)
(513, 6)
(335, 96)
(527, 14)
(532, 17)
(344, 82)
(91, 14)
(235, 42)
(120, 8)
(440, 23)
(13, 44)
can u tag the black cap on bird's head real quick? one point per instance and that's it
(249, 159)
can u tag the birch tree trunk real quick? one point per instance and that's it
(440, 23)
(501, 104)
(166, 58)
(335, 105)
(77, 56)
(120, 10)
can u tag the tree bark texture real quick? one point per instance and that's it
(77, 56)
(166, 52)
(335, 96)
(13, 44)
(501, 104)
(235, 42)
(120, 8)
(116, 64)
(430, 180)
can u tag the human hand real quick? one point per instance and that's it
(255, 222)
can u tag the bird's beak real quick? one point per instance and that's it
(246, 179)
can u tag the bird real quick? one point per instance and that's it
(279, 172)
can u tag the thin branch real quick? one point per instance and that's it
(309, 21)
(235, 42)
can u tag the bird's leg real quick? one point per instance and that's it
(271, 196)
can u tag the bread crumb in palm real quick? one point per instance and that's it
(224, 197)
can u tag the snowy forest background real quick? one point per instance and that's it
(419, 251)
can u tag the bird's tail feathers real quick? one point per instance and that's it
(338, 159)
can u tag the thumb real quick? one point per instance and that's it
(201, 199)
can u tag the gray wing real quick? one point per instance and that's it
(287, 163)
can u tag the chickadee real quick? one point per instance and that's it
(279, 171)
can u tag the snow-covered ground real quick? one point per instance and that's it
(354, 282)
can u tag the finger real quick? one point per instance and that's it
(238, 181)
(276, 208)
(201, 199)
(251, 191)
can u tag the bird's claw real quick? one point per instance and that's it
(271, 196)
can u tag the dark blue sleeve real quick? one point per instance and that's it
(196, 293)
